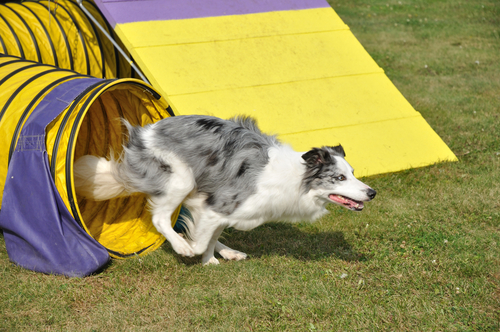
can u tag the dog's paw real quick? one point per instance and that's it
(198, 249)
(233, 255)
(210, 261)
(182, 248)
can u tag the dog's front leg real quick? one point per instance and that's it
(228, 253)
(207, 231)
(208, 257)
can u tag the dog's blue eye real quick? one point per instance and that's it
(341, 178)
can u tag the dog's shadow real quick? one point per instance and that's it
(283, 239)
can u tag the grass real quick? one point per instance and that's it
(423, 256)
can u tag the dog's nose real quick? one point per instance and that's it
(371, 193)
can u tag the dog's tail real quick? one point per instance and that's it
(98, 178)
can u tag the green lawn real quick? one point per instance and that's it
(423, 256)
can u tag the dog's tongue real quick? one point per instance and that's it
(347, 202)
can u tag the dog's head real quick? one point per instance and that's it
(330, 178)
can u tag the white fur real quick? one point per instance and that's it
(351, 187)
(94, 179)
(179, 185)
(279, 196)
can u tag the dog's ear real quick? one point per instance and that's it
(339, 150)
(317, 156)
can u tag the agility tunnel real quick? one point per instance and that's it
(292, 64)
(61, 34)
(49, 117)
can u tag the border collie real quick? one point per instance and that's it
(227, 173)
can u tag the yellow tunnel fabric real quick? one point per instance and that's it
(89, 125)
(60, 34)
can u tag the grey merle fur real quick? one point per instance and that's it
(321, 166)
(225, 156)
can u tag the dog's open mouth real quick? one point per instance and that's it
(347, 202)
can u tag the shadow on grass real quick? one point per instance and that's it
(281, 239)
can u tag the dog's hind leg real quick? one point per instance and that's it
(180, 183)
(163, 208)
(228, 253)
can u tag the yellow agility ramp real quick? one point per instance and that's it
(292, 64)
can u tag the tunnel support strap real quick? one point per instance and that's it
(111, 39)
(40, 233)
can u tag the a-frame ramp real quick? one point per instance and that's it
(292, 64)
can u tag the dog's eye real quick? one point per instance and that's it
(340, 178)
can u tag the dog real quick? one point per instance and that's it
(227, 173)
